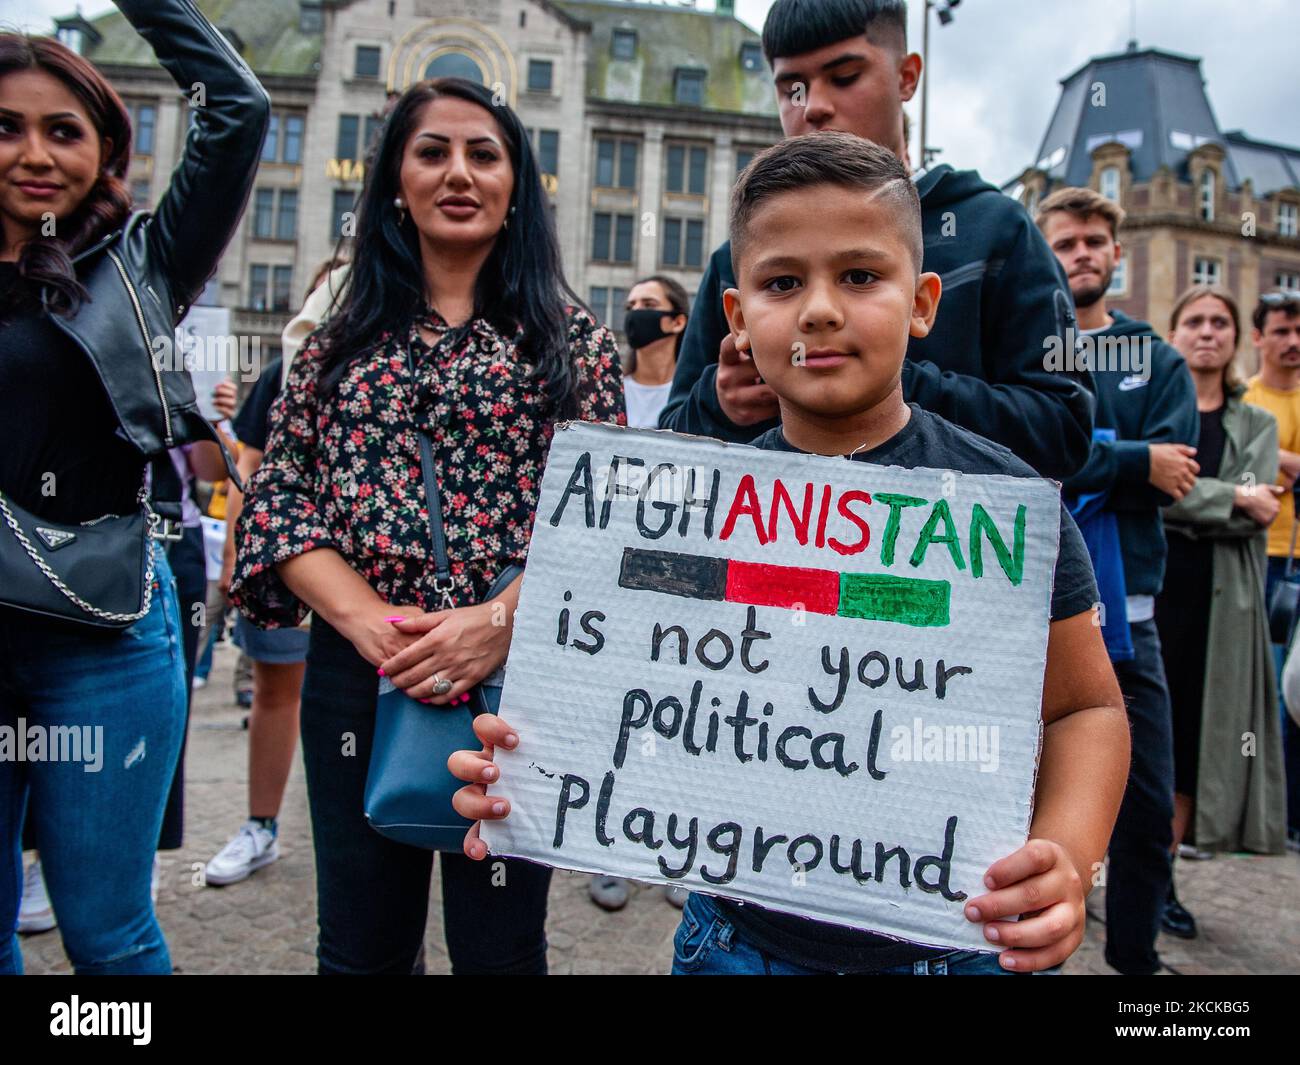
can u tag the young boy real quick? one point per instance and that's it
(826, 245)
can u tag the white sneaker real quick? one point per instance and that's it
(35, 914)
(252, 848)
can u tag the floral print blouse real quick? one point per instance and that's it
(346, 474)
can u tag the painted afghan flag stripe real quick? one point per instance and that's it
(870, 596)
(756, 584)
(882, 597)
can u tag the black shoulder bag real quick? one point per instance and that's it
(98, 573)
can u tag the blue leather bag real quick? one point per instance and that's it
(408, 785)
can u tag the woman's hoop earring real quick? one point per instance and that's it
(401, 211)
(506, 223)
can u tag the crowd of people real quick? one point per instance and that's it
(446, 334)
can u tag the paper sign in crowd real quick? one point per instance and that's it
(798, 681)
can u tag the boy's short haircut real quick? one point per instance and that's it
(1082, 204)
(797, 164)
(793, 27)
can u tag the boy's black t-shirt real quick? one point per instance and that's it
(926, 441)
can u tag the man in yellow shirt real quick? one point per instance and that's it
(1276, 388)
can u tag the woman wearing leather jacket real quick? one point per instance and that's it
(89, 291)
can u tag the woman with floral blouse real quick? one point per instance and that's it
(455, 264)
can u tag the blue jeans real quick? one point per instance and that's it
(707, 944)
(95, 820)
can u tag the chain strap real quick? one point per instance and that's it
(57, 581)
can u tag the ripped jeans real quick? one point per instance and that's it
(90, 726)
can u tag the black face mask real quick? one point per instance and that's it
(642, 328)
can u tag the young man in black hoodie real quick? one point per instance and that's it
(844, 65)
(1146, 406)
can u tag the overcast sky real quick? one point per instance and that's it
(997, 66)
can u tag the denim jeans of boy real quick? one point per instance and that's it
(707, 944)
(96, 819)
(372, 893)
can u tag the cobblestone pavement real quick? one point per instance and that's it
(1248, 907)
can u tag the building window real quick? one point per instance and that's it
(259, 277)
(540, 75)
(374, 127)
(367, 61)
(146, 123)
(140, 192)
(1119, 279)
(1286, 281)
(611, 237)
(72, 37)
(349, 134)
(281, 284)
(688, 87)
(455, 65)
(751, 56)
(608, 305)
(310, 17)
(616, 163)
(1206, 271)
(293, 127)
(283, 142)
(743, 158)
(286, 219)
(683, 242)
(263, 213)
(344, 200)
(548, 151)
(271, 146)
(1207, 195)
(1286, 219)
(687, 169)
(623, 45)
(1109, 183)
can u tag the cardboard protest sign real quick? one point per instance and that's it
(798, 681)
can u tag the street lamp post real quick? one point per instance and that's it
(944, 10)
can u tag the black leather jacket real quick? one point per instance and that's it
(143, 277)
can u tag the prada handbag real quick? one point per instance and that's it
(99, 573)
(408, 785)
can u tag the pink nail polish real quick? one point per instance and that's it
(397, 617)
(381, 672)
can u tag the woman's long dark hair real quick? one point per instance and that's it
(521, 282)
(47, 261)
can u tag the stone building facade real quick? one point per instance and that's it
(641, 116)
